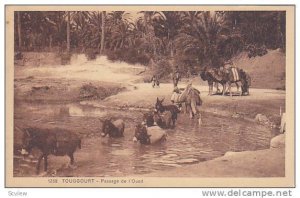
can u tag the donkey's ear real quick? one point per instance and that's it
(157, 100)
(162, 99)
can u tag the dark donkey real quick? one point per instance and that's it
(113, 129)
(163, 120)
(159, 107)
(148, 119)
(58, 142)
(149, 135)
(140, 134)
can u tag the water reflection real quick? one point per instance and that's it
(188, 143)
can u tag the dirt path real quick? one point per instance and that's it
(141, 95)
(104, 72)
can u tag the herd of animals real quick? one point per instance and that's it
(150, 130)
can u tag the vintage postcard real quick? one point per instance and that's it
(150, 96)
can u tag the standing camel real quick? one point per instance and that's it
(192, 100)
(225, 77)
(212, 76)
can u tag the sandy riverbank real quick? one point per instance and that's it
(127, 94)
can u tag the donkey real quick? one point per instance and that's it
(163, 120)
(140, 134)
(149, 135)
(113, 129)
(58, 142)
(148, 119)
(159, 107)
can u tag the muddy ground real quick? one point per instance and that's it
(75, 97)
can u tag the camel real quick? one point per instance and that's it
(191, 97)
(211, 76)
(225, 77)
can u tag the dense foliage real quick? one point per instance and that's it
(187, 39)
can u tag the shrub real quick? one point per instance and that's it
(111, 55)
(131, 56)
(254, 50)
(65, 58)
(163, 68)
(91, 53)
(186, 64)
(18, 56)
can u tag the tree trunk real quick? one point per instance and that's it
(279, 33)
(50, 42)
(154, 50)
(19, 31)
(103, 33)
(171, 49)
(170, 45)
(121, 44)
(68, 33)
(145, 25)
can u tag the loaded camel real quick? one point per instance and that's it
(226, 77)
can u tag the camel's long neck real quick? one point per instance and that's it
(183, 95)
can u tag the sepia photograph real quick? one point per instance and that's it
(149, 96)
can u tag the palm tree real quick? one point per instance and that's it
(68, 32)
(281, 29)
(95, 25)
(146, 20)
(201, 34)
(122, 35)
(19, 31)
(166, 26)
(103, 32)
(255, 27)
(144, 29)
(120, 30)
(116, 17)
(40, 28)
